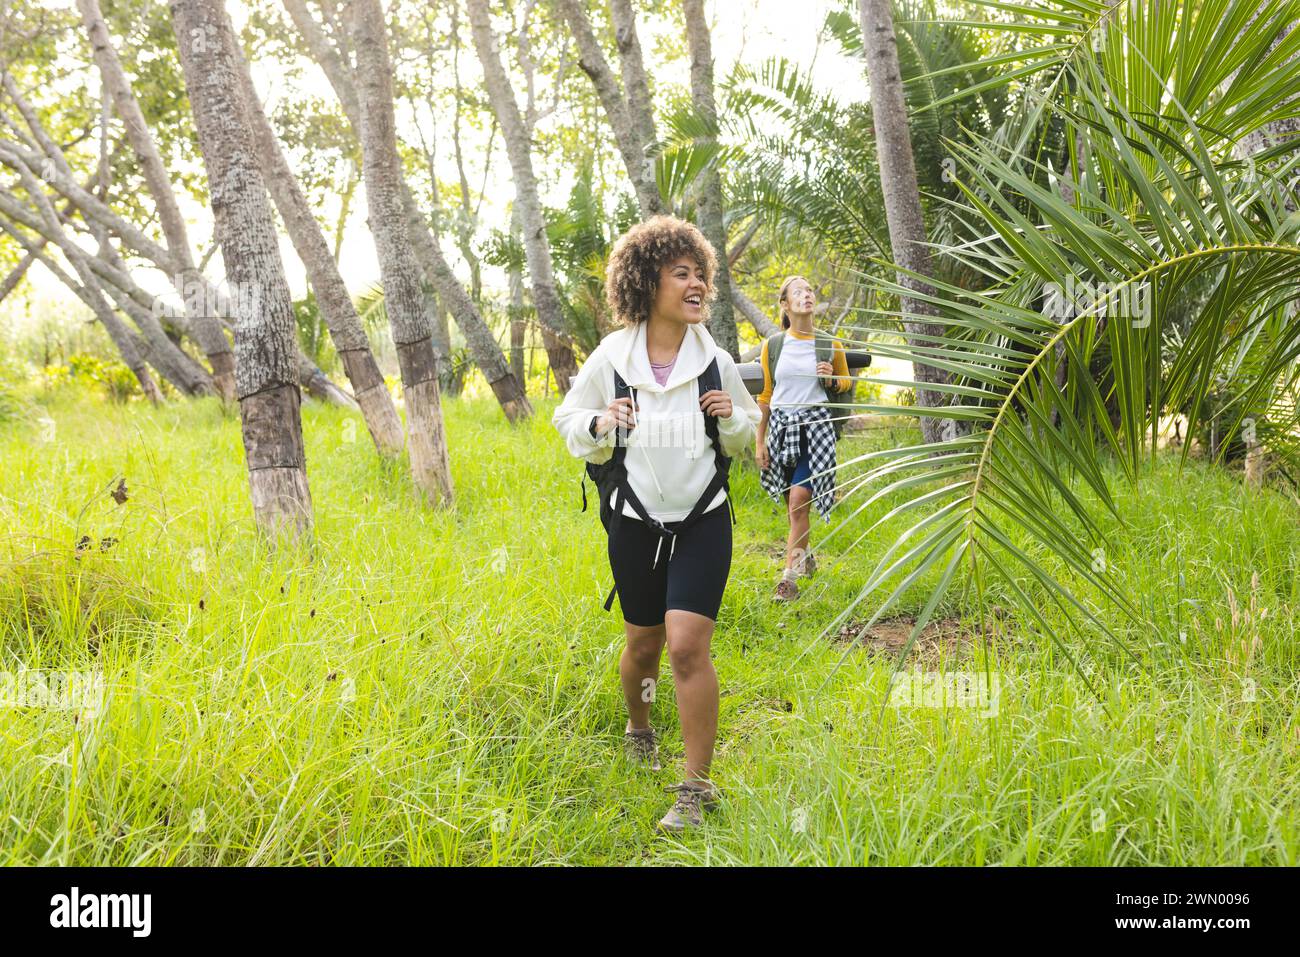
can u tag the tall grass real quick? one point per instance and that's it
(441, 687)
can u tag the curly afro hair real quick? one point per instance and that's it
(632, 275)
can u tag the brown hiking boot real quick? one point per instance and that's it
(643, 747)
(693, 799)
(786, 589)
(805, 564)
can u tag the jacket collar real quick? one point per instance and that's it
(630, 358)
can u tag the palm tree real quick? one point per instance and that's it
(1088, 264)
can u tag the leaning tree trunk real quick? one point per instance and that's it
(265, 348)
(398, 268)
(336, 307)
(173, 363)
(207, 329)
(749, 309)
(88, 291)
(722, 318)
(902, 198)
(537, 250)
(479, 339)
(16, 274)
(155, 348)
(592, 61)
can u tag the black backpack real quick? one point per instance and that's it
(610, 476)
(824, 350)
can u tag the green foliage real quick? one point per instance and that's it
(1057, 399)
(581, 235)
(313, 334)
(113, 378)
(13, 376)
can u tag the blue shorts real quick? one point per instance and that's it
(802, 474)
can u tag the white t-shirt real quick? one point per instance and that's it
(795, 379)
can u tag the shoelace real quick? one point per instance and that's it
(643, 741)
(689, 795)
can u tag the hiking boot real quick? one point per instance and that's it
(643, 747)
(693, 799)
(786, 589)
(805, 564)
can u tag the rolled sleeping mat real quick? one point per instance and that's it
(751, 373)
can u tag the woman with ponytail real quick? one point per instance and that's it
(795, 444)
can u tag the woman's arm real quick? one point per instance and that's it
(840, 364)
(765, 408)
(587, 400)
(737, 430)
(760, 438)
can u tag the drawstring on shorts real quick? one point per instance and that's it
(672, 546)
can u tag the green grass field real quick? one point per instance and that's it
(441, 687)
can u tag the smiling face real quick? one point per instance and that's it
(799, 298)
(682, 291)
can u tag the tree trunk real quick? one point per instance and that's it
(437, 314)
(320, 386)
(479, 338)
(172, 363)
(481, 342)
(16, 274)
(207, 329)
(762, 325)
(709, 208)
(155, 348)
(266, 379)
(902, 198)
(399, 270)
(592, 60)
(546, 298)
(636, 87)
(518, 325)
(336, 307)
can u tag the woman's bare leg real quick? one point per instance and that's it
(799, 503)
(638, 669)
(696, 682)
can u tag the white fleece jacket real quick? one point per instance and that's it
(669, 457)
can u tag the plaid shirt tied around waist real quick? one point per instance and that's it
(783, 430)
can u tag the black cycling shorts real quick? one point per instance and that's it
(690, 574)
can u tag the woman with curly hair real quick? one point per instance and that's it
(657, 411)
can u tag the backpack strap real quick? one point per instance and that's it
(710, 379)
(774, 343)
(824, 351)
(622, 487)
(824, 346)
(621, 391)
